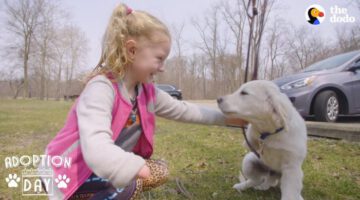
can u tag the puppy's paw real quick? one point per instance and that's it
(274, 183)
(242, 178)
(239, 187)
(263, 186)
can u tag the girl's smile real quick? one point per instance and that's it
(148, 58)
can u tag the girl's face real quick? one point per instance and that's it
(148, 59)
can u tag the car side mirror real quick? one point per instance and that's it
(354, 67)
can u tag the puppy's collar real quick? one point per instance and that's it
(264, 135)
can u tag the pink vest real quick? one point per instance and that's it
(66, 142)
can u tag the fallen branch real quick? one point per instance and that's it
(181, 188)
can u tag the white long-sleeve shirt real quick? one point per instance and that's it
(94, 110)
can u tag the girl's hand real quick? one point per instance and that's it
(144, 172)
(235, 122)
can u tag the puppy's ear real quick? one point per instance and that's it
(278, 108)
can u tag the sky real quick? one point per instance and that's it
(92, 16)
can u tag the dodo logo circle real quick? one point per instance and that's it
(315, 14)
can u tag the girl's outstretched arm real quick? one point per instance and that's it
(170, 108)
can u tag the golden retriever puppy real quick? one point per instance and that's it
(276, 138)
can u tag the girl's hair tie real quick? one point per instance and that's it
(128, 11)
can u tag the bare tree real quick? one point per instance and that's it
(257, 22)
(77, 48)
(45, 35)
(60, 53)
(299, 51)
(15, 83)
(40, 39)
(22, 20)
(305, 48)
(235, 16)
(265, 7)
(275, 49)
(348, 38)
(211, 43)
(179, 59)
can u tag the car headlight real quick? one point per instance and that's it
(298, 83)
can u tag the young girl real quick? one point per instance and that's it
(109, 130)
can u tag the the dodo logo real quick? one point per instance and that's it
(315, 14)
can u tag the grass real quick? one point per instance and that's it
(206, 159)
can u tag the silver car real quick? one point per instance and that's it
(326, 89)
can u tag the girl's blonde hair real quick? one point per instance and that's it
(124, 24)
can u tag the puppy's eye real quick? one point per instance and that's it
(243, 93)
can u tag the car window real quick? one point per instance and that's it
(164, 87)
(331, 62)
(358, 62)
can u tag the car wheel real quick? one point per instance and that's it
(326, 107)
(175, 97)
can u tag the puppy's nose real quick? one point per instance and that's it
(219, 100)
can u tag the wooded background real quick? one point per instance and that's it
(44, 49)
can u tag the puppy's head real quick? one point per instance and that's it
(256, 101)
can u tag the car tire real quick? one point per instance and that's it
(327, 106)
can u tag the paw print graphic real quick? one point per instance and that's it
(12, 180)
(62, 181)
